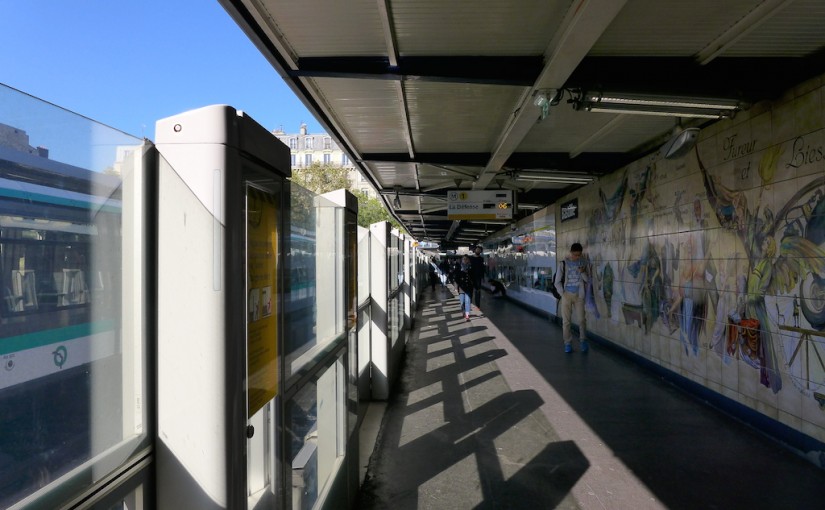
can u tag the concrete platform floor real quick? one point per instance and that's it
(491, 414)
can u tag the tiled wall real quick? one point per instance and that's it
(732, 233)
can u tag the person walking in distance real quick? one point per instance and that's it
(433, 273)
(464, 282)
(571, 281)
(477, 274)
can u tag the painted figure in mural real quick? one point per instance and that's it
(607, 287)
(652, 290)
(796, 311)
(726, 303)
(637, 194)
(773, 269)
(606, 213)
(690, 299)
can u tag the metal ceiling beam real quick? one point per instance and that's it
(477, 159)
(593, 162)
(724, 77)
(584, 23)
(412, 192)
(518, 71)
(582, 26)
(385, 14)
(753, 19)
(426, 217)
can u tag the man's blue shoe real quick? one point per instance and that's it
(584, 346)
(568, 348)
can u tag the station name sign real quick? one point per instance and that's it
(570, 210)
(480, 205)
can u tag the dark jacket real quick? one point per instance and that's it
(463, 280)
(477, 267)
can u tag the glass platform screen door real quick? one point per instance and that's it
(220, 251)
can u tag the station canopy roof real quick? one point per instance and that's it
(536, 97)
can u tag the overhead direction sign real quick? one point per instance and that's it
(480, 205)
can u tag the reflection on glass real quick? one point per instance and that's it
(363, 264)
(364, 355)
(314, 317)
(301, 307)
(316, 425)
(525, 261)
(71, 385)
(302, 419)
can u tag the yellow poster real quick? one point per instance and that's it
(262, 285)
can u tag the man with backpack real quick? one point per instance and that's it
(570, 282)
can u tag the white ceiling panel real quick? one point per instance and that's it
(319, 28)
(795, 31)
(476, 27)
(368, 111)
(458, 117)
(391, 174)
(669, 27)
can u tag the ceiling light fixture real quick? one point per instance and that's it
(680, 143)
(676, 106)
(556, 178)
(659, 111)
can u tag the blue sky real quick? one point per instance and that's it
(128, 64)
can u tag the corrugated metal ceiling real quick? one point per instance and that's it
(422, 92)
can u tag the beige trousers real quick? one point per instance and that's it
(570, 301)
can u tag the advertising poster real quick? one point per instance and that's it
(262, 320)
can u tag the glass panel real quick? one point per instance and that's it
(364, 327)
(72, 392)
(363, 264)
(313, 319)
(300, 284)
(396, 317)
(316, 424)
(393, 256)
(525, 260)
(329, 320)
(351, 267)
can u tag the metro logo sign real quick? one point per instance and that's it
(480, 205)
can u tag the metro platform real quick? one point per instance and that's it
(492, 413)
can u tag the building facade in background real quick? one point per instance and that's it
(17, 139)
(306, 149)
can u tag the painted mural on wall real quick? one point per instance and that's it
(720, 255)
